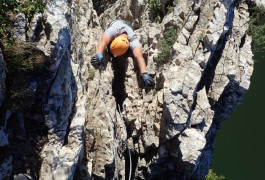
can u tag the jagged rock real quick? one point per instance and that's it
(37, 27)
(257, 2)
(6, 167)
(3, 137)
(61, 153)
(22, 177)
(170, 128)
(19, 29)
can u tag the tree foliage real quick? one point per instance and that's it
(212, 176)
(257, 28)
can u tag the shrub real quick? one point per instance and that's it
(5, 7)
(166, 45)
(23, 56)
(9, 7)
(22, 59)
(257, 28)
(212, 176)
(29, 7)
(170, 6)
(23, 62)
(155, 8)
(170, 9)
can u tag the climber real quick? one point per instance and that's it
(121, 42)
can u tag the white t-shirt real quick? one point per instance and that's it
(118, 27)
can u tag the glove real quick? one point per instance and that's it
(96, 60)
(148, 80)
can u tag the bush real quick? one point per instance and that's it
(23, 63)
(5, 7)
(257, 28)
(166, 45)
(22, 59)
(212, 176)
(23, 56)
(155, 8)
(9, 7)
(170, 6)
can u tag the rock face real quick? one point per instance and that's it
(2, 78)
(166, 132)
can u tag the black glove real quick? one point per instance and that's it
(96, 60)
(148, 80)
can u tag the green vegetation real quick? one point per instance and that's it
(22, 60)
(91, 73)
(257, 28)
(170, 8)
(10, 7)
(166, 45)
(23, 56)
(29, 8)
(200, 37)
(155, 8)
(212, 176)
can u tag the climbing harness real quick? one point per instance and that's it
(122, 141)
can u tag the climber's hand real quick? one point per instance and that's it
(96, 60)
(148, 80)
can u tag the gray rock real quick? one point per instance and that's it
(3, 137)
(6, 168)
(168, 128)
(19, 29)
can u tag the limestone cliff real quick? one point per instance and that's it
(74, 129)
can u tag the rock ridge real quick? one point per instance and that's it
(169, 129)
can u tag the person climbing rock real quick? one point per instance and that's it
(121, 42)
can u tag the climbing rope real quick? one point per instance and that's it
(122, 141)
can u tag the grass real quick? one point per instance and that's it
(166, 46)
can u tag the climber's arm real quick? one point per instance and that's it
(137, 53)
(103, 42)
(147, 79)
(97, 58)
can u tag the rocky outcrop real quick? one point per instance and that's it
(175, 126)
(104, 124)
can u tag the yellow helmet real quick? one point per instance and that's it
(119, 45)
